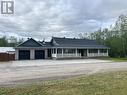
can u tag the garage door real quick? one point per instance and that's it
(24, 54)
(39, 54)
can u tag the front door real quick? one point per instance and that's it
(83, 52)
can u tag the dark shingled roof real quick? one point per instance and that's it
(63, 42)
(33, 43)
(46, 44)
(30, 43)
(73, 42)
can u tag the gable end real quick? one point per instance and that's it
(30, 43)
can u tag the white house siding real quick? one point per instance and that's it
(46, 53)
(56, 55)
(16, 54)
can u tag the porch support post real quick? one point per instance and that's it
(32, 54)
(107, 52)
(87, 52)
(62, 52)
(46, 53)
(98, 52)
(16, 54)
(53, 51)
(56, 52)
(76, 52)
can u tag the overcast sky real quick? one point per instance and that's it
(46, 18)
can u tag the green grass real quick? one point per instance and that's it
(119, 59)
(115, 59)
(113, 83)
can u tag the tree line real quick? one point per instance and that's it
(10, 42)
(114, 37)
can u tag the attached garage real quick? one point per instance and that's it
(24, 54)
(39, 54)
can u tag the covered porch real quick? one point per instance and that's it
(78, 53)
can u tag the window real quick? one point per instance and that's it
(65, 50)
(93, 51)
(69, 50)
(103, 50)
(59, 51)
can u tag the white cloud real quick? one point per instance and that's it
(45, 18)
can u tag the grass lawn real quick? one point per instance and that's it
(113, 83)
(115, 59)
(119, 59)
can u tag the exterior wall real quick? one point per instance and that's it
(46, 53)
(16, 54)
(7, 57)
(62, 54)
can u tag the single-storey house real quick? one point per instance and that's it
(59, 48)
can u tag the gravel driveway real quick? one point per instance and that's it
(18, 72)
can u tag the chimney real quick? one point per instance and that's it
(43, 41)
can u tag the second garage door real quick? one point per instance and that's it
(39, 54)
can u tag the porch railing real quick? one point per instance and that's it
(97, 54)
(78, 55)
(66, 55)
